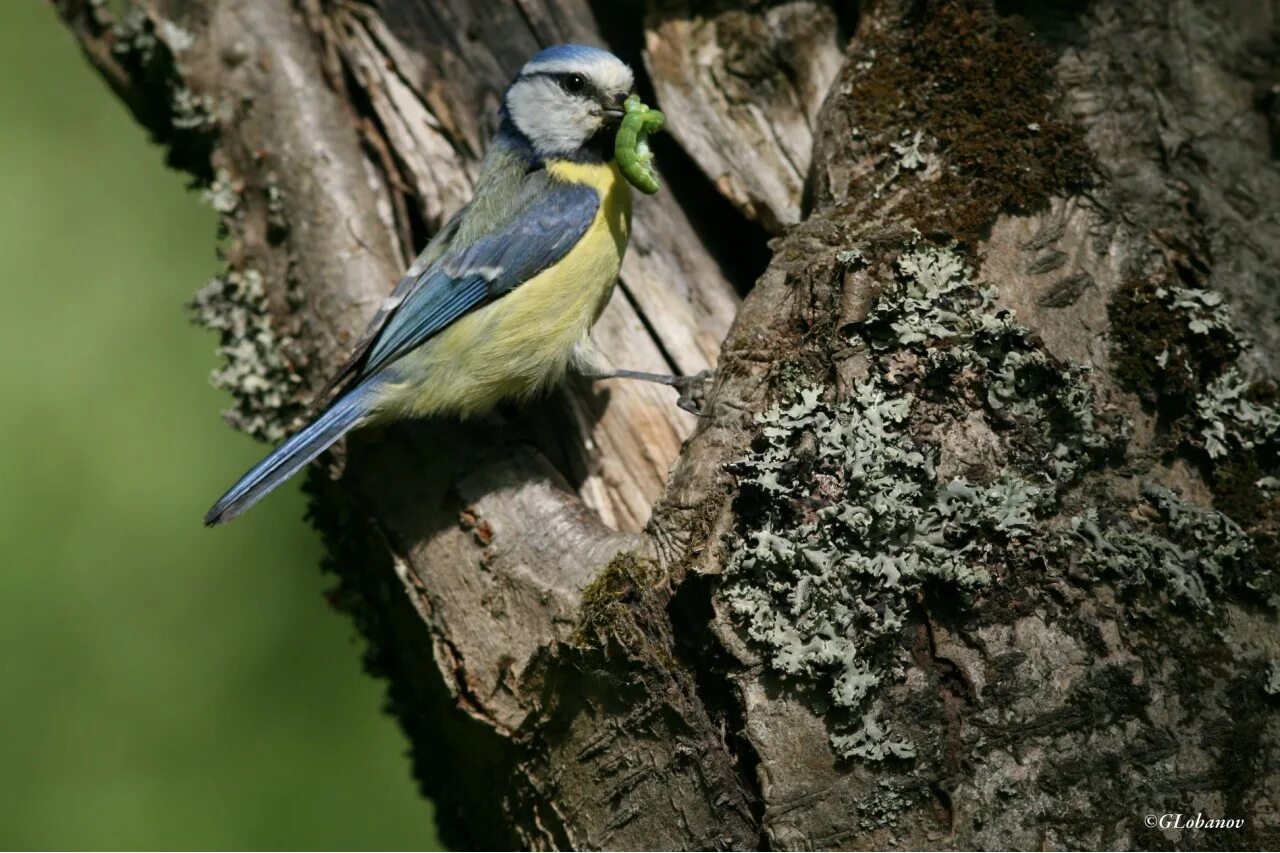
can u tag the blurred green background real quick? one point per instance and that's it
(161, 685)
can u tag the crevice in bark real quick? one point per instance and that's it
(739, 244)
(696, 646)
(1056, 22)
(1268, 103)
(667, 359)
(848, 14)
(410, 225)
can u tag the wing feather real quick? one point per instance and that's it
(547, 220)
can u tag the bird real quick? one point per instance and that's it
(500, 304)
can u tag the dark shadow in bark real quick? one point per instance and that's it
(1056, 22)
(691, 613)
(740, 245)
(455, 760)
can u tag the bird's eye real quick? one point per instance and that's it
(574, 84)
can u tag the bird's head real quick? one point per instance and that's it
(566, 95)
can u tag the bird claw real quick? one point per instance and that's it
(693, 392)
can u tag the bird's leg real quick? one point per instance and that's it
(692, 388)
(591, 363)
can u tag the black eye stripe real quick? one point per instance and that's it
(560, 76)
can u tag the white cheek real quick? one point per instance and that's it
(588, 119)
(554, 123)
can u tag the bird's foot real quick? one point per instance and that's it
(693, 389)
(693, 392)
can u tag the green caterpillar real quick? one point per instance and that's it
(631, 147)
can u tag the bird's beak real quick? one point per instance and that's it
(614, 113)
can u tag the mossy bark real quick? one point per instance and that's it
(977, 544)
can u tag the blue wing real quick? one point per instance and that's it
(476, 258)
(552, 219)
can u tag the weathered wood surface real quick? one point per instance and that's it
(555, 615)
(750, 83)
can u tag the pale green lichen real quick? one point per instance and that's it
(277, 211)
(932, 302)
(935, 309)
(189, 111)
(911, 156)
(837, 559)
(881, 806)
(262, 381)
(1219, 542)
(1198, 554)
(845, 521)
(1204, 311)
(144, 43)
(872, 741)
(134, 35)
(176, 37)
(222, 195)
(853, 257)
(1230, 421)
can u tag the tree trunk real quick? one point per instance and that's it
(976, 546)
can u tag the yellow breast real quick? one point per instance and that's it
(521, 343)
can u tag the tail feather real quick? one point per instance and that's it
(291, 456)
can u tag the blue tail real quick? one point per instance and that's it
(290, 457)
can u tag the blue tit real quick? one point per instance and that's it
(500, 304)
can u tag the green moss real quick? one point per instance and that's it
(1168, 342)
(618, 605)
(983, 89)
(626, 576)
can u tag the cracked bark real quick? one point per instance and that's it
(549, 615)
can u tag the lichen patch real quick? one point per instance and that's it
(256, 370)
(844, 524)
(1195, 559)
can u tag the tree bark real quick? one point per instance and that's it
(977, 544)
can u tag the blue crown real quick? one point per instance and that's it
(571, 53)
